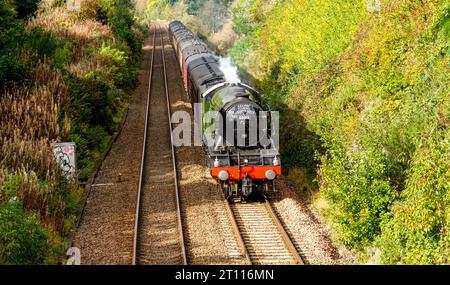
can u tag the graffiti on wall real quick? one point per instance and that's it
(65, 155)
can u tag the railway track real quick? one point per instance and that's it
(158, 231)
(209, 230)
(261, 235)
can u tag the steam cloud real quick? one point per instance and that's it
(229, 69)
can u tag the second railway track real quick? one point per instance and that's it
(158, 232)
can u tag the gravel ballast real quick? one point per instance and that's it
(105, 235)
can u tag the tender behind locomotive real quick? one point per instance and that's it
(243, 158)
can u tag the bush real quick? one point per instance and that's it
(8, 186)
(8, 15)
(71, 75)
(359, 195)
(85, 162)
(22, 239)
(45, 44)
(416, 231)
(61, 56)
(115, 66)
(369, 94)
(118, 14)
(26, 8)
(371, 124)
(12, 72)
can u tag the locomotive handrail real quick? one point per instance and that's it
(247, 86)
(212, 88)
(251, 89)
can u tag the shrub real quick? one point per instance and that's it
(369, 92)
(22, 239)
(42, 43)
(8, 186)
(416, 232)
(371, 122)
(111, 55)
(359, 195)
(26, 8)
(12, 72)
(115, 66)
(61, 56)
(118, 14)
(85, 162)
(8, 15)
(62, 77)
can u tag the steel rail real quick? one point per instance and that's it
(177, 195)
(144, 144)
(286, 239)
(237, 232)
(279, 226)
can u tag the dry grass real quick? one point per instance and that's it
(30, 122)
(32, 118)
(29, 125)
(225, 38)
(82, 33)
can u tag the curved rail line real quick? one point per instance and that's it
(136, 239)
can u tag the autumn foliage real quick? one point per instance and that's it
(368, 87)
(64, 76)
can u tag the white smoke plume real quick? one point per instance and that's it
(229, 69)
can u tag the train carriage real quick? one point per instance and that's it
(196, 49)
(245, 168)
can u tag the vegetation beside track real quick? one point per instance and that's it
(363, 91)
(64, 76)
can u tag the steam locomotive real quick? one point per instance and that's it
(235, 127)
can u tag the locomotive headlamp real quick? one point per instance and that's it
(223, 175)
(270, 174)
(276, 162)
